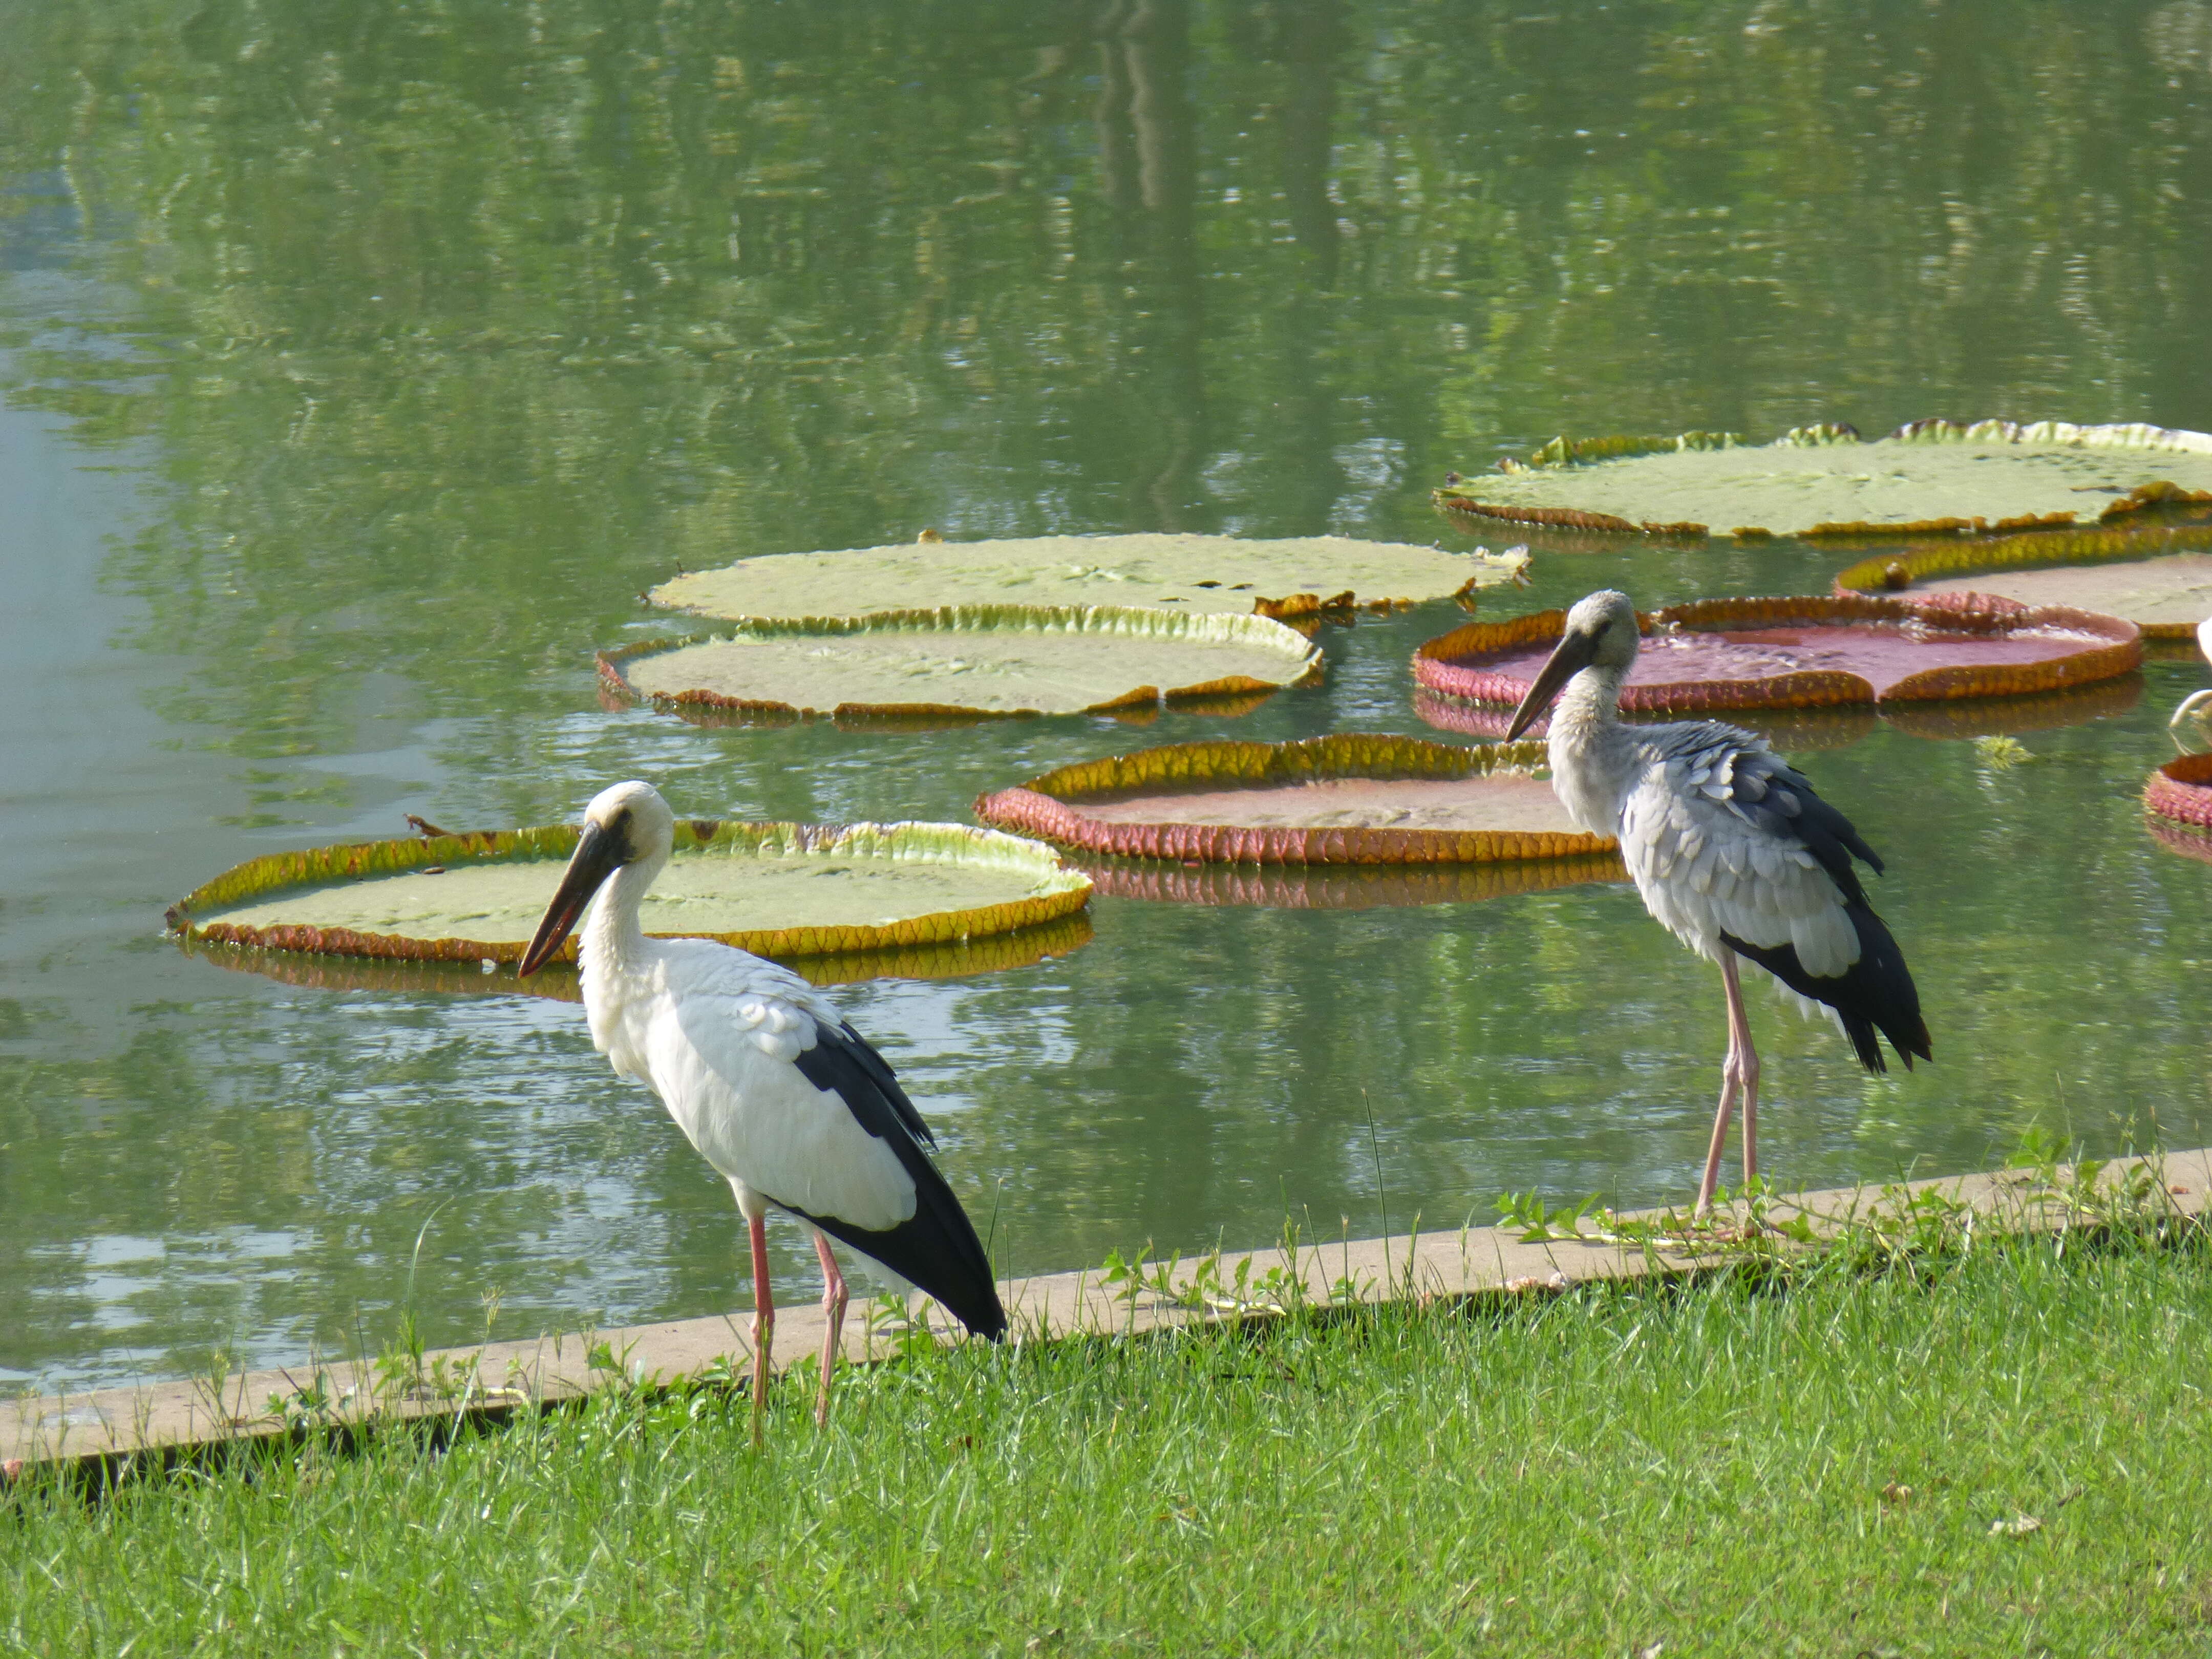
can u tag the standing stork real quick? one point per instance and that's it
(1731, 852)
(764, 1075)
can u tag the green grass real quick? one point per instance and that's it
(1722, 1467)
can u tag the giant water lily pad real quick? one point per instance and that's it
(777, 889)
(2160, 580)
(558, 982)
(1807, 652)
(1926, 477)
(969, 660)
(1792, 731)
(1343, 886)
(1350, 799)
(1191, 575)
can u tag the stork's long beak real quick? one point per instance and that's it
(598, 856)
(1573, 653)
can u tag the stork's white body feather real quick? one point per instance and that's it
(716, 1033)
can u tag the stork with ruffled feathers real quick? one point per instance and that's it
(1731, 851)
(778, 1092)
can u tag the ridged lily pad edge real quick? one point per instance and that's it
(1436, 666)
(1050, 808)
(2180, 791)
(991, 953)
(1208, 627)
(1063, 890)
(1892, 571)
(1562, 452)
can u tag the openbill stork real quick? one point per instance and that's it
(767, 1079)
(1731, 852)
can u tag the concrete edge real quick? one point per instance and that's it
(493, 1379)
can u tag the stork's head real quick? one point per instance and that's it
(1600, 633)
(627, 825)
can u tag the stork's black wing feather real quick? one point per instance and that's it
(1874, 994)
(936, 1248)
(1877, 992)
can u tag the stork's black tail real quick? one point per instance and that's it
(1874, 994)
(936, 1248)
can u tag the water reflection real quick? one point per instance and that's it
(361, 364)
(1339, 887)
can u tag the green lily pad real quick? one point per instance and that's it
(1926, 477)
(777, 889)
(558, 982)
(2158, 579)
(1195, 574)
(968, 660)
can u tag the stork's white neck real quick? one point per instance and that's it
(1591, 762)
(613, 937)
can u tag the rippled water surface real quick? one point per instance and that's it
(361, 364)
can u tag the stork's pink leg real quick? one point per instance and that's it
(764, 1325)
(834, 1297)
(1739, 1074)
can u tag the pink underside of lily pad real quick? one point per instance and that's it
(2181, 792)
(1881, 655)
(1478, 803)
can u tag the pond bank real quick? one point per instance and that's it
(495, 1379)
(1992, 1445)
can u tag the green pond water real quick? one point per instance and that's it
(361, 364)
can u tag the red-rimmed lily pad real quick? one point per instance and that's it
(1301, 576)
(963, 662)
(1807, 652)
(2181, 793)
(2160, 580)
(1343, 886)
(1349, 799)
(1792, 731)
(786, 891)
(1823, 481)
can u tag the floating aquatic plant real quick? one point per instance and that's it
(965, 662)
(786, 891)
(1927, 476)
(1809, 651)
(2180, 793)
(1348, 798)
(1305, 576)
(557, 981)
(2158, 578)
